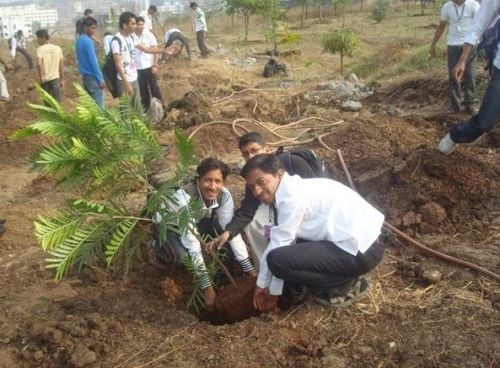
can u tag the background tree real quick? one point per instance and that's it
(342, 41)
(379, 10)
(247, 8)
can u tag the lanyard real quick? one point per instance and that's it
(459, 17)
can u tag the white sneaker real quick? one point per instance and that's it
(447, 145)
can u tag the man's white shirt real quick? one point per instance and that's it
(487, 13)
(144, 60)
(319, 210)
(459, 18)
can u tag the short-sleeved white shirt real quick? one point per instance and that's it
(144, 60)
(169, 33)
(127, 51)
(459, 18)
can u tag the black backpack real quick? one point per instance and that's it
(110, 73)
(317, 165)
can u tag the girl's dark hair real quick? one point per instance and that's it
(210, 164)
(140, 19)
(125, 18)
(268, 163)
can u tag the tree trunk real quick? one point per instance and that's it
(361, 5)
(307, 11)
(341, 62)
(302, 15)
(247, 22)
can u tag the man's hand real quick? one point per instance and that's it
(102, 85)
(9, 66)
(432, 52)
(128, 88)
(458, 71)
(62, 83)
(218, 242)
(264, 301)
(154, 69)
(210, 299)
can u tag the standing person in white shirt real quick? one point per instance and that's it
(323, 236)
(147, 65)
(457, 14)
(148, 17)
(200, 27)
(123, 47)
(487, 116)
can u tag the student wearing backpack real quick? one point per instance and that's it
(88, 66)
(457, 14)
(124, 45)
(147, 65)
(254, 217)
(484, 121)
(324, 236)
(217, 210)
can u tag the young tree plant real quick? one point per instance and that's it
(247, 8)
(380, 9)
(107, 157)
(343, 42)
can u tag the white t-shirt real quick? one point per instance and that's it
(200, 24)
(148, 22)
(169, 33)
(458, 17)
(106, 43)
(144, 60)
(127, 51)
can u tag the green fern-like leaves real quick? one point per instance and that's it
(105, 155)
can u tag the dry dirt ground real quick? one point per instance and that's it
(452, 204)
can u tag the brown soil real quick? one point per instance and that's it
(100, 318)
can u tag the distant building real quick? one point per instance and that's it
(22, 17)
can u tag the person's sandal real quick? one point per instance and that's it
(357, 292)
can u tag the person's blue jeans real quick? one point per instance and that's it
(92, 87)
(485, 119)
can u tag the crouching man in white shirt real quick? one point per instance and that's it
(324, 236)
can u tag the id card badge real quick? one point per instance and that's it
(458, 28)
(267, 231)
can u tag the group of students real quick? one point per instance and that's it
(134, 49)
(304, 232)
(135, 52)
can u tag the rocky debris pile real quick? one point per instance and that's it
(240, 63)
(75, 341)
(345, 94)
(192, 109)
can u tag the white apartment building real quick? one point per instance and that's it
(13, 18)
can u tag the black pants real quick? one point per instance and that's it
(200, 39)
(321, 265)
(469, 84)
(148, 86)
(26, 55)
(178, 36)
(53, 87)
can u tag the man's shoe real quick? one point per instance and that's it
(357, 291)
(447, 146)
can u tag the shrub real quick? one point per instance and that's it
(379, 10)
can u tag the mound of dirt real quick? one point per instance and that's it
(192, 109)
